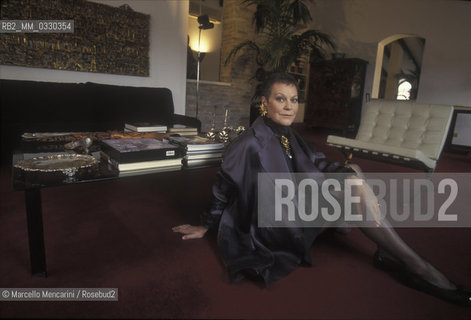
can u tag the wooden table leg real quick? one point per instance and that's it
(35, 232)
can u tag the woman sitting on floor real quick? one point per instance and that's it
(271, 145)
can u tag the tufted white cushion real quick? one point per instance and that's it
(409, 130)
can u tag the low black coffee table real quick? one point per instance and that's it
(32, 188)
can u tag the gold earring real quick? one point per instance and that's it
(263, 109)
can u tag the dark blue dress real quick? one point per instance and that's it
(247, 249)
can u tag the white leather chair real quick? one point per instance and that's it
(401, 132)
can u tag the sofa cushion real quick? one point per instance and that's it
(39, 106)
(406, 125)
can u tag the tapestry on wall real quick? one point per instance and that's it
(105, 39)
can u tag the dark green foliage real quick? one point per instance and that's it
(281, 39)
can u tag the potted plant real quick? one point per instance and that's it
(282, 38)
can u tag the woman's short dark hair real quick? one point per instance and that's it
(277, 78)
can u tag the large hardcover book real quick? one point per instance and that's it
(195, 143)
(174, 163)
(145, 127)
(202, 156)
(177, 128)
(202, 162)
(197, 152)
(187, 133)
(139, 150)
(128, 173)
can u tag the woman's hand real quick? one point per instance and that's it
(190, 232)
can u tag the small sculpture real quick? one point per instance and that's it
(223, 135)
(227, 133)
(84, 143)
(212, 133)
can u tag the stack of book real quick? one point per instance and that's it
(145, 127)
(183, 130)
(199, 151)
(141, 154)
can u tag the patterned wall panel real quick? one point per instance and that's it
(105, 39)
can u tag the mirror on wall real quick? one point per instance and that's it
(398, 67)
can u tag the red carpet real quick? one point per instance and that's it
(116, 234)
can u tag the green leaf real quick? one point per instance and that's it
(246, 44)
(278, 44)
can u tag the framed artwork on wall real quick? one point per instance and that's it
(105, 39)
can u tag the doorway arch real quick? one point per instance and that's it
(401, 40)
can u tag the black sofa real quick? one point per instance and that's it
(30, 106)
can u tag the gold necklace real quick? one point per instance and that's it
(287, 146)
